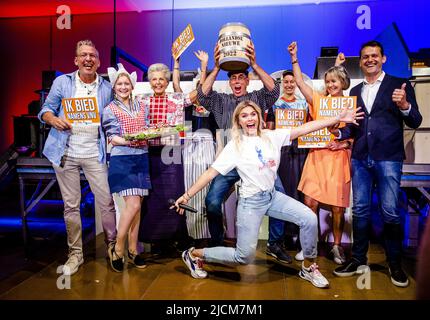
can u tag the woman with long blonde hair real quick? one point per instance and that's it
(255, 153)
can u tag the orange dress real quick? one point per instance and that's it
(326, 176)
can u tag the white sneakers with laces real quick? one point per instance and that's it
(195, 265)
(72, 264)
(314, 276)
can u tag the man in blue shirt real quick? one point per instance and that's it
(72, 148)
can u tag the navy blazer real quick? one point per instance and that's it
(380, 133)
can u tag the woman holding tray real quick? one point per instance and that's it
(159, 226)
(129, 165)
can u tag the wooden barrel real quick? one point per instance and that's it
(232, 41)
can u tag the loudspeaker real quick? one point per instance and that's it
(351, 65)
(329, 51)
(26, 131)
(33, 107)
(48, 77)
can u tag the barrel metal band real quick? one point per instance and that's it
(234, 33)
(232, 48)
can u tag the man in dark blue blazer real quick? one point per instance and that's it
(377, 158)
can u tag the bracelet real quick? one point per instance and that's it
(186, 195)
(294, 61)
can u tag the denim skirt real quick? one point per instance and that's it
(129, 172)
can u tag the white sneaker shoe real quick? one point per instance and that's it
(72, 264)
(299, 256)
(338, 254)
(194, 264)
(314, 276)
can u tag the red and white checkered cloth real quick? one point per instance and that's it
(131, 124)
(166, 110)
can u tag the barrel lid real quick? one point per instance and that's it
(235, 24)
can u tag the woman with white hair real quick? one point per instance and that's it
(159, 226)
(128, 165)
(255, 153)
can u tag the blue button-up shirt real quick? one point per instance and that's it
(64, 87)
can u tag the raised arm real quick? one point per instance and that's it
(306, 90)
(210, 79)
(340, 59)
(267, 80)
(204, 58)
(176, 77)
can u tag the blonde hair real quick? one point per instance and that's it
(123, 74)
(236, 129)
(340, 73)
(158, 67)
(85, 43)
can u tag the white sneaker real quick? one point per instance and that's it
(338, 254)
(72, 264)
(299, 256)
(314, 276)
(194, 264)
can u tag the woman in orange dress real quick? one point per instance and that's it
(326, 175)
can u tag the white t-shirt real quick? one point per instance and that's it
(257, 161)
(84, 138)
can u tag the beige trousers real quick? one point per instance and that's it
(68, 179)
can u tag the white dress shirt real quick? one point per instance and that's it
(370, 90)
(368, 94)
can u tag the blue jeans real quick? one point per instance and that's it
(218, 190)
(276, 226)
(250, 212)
(385, 176)
(215, 197)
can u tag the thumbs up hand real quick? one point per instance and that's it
(399, 97)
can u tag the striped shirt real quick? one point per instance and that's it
(222, 105)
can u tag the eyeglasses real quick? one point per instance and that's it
(84, 55)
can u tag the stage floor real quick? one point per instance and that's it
(167, 278)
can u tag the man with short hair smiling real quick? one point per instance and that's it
(71, 148)
(377, 158)
(222, 105)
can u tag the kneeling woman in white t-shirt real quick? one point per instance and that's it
(255, 153)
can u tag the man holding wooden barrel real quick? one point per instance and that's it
(222, 106)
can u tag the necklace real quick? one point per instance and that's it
(90, 87)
